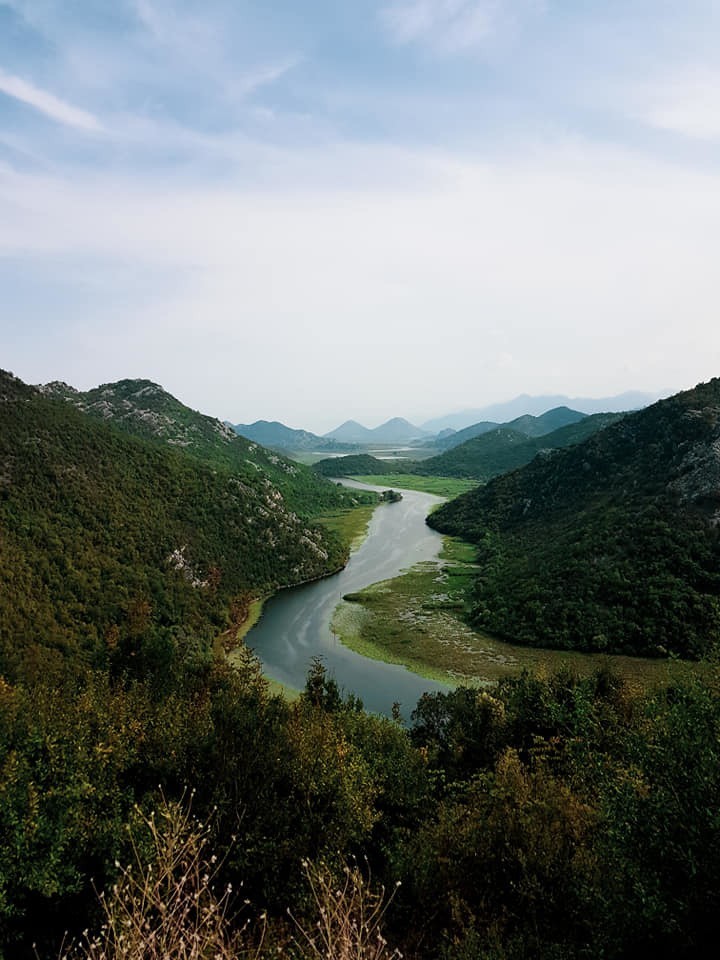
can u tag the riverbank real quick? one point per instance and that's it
(447, 487)
(351, 525)
(416, 620)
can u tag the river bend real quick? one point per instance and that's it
(295, 624)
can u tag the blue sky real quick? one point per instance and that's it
(316, 211)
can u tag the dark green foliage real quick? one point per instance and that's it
(584, 826)
(113, 547)
(358, 464)
(550, 818)
(610, 545)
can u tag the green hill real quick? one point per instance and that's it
(108, 539)
(359, 464)
(144, 409)
(547, 422)
(612, 544)
(506, 449)
(527, 425)
(276, 435)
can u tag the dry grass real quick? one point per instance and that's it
(350, 915)
(167, 908)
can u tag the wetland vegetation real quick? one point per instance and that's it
(420, 619)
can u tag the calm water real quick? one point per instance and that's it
(295, 625)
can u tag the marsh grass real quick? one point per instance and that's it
(349, 523)
(448, 487)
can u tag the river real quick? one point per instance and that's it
(295, 624)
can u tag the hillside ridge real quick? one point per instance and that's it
(612, 544)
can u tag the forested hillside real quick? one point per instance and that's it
(146, 410)
(612, 545)
(527, 425)
(112, 542)
(506, 448)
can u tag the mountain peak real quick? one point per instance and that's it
(13, 389)
(350, 432)
(395, 430)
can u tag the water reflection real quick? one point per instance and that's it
(295, 625)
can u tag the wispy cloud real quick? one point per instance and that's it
(264, 76)
(47, 103)
(687, 103)
(452, 25)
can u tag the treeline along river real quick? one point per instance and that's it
(295, 624)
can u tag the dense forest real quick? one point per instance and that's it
(112, 544)
(612, 545)
(550, 817)
(145, 410)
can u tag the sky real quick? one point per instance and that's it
(331, 209)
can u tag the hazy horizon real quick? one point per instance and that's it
(331, 422)
(364, 208)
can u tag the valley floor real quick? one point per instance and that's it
(447, 487)
(417, 620)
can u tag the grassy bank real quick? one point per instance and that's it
(447, 487)
(417, 620)
(278, 689)
(349, 523)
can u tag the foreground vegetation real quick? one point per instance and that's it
(554, 817)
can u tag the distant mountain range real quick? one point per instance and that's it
(526, 404)
(526, 424)
(529, 415)
(396, 430)
(276, 435)
(507, 448)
